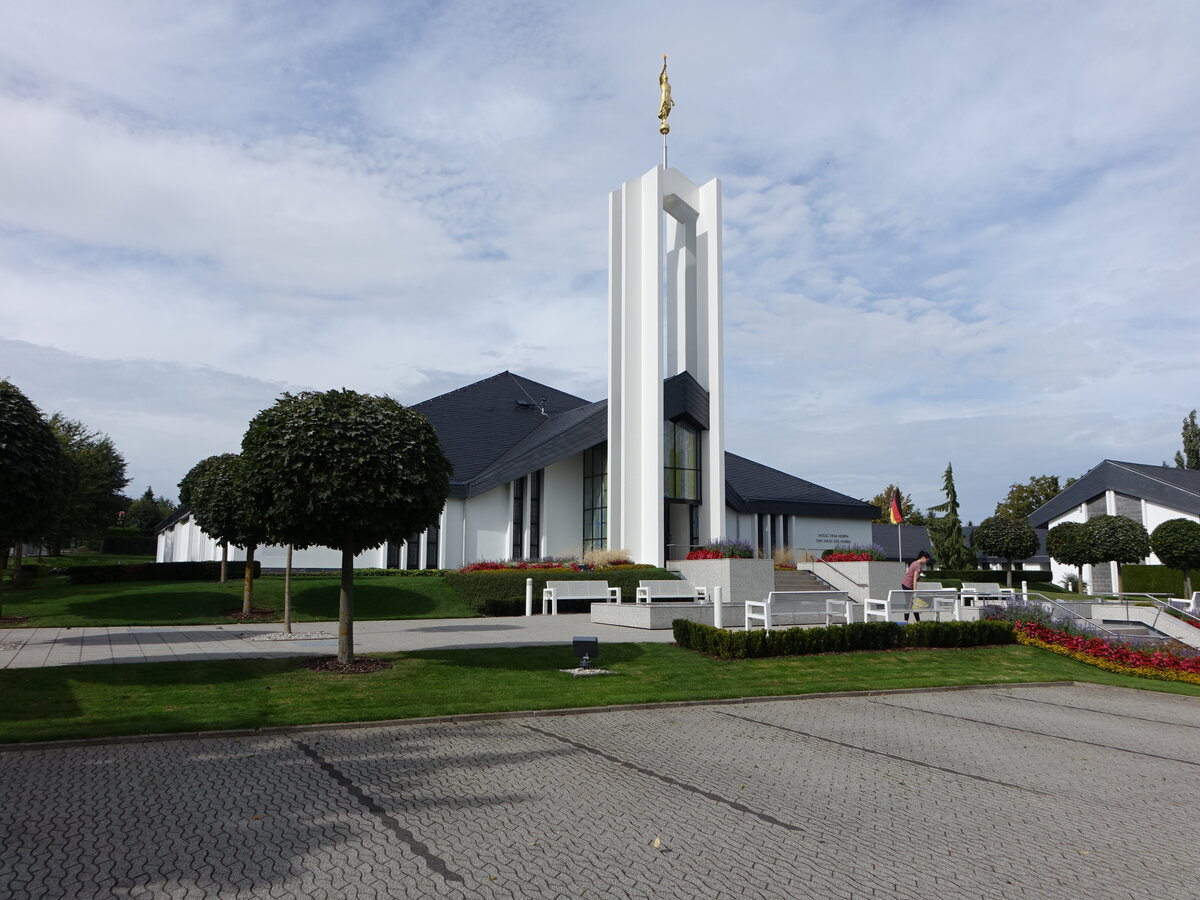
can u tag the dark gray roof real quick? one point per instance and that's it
(753, 487)
(572, 432)
(1175, 488)
(495, 430)
(480, 422)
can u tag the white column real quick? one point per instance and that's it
(648, 278)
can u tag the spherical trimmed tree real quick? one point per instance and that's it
(1176, 543)
(1116, 539)
(1067, 543)
(30, 456)
(224, 509)
(344, 470)
(1006, 537)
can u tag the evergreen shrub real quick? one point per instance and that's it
(169, 571)
(1139, 579)
(128, 540)
(501, 592)
(837, 638)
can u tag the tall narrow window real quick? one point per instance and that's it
(595, 497)
(535, 515)
(518, 518)
(431, 547)
(681, 462)
(414, 552)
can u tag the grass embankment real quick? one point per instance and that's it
(96, 701)
(55, 602)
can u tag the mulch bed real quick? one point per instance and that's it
(11, 620)
(255, 615)
(361, 666)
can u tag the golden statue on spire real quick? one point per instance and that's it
(666, 103)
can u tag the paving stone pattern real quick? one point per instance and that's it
(1060, 792)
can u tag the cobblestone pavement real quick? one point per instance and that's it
(999, 793)
(23, 648)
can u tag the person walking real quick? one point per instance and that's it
(912, 577)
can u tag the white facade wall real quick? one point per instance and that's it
(489, 524)
(562, 508)
(818, 535)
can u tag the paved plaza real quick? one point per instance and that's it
(22, 648)
(1059, 792)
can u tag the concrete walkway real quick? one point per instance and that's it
(35, 647)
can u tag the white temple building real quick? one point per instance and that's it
(542, 473)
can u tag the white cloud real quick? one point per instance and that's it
(952, 232)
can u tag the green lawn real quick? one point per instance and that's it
(93, 701)
(55, 602)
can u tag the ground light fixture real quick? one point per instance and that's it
(586, 648)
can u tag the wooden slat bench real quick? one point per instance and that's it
(577, 590)
(830, 604)
(649, 591)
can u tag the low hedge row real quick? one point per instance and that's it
(982, 575)
(501, 592)
(169, 571)
(838, 638)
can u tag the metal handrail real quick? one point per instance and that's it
(1090, 626)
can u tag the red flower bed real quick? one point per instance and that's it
(703, 553)
(504, 567)
(847, 556)
(1113, 657)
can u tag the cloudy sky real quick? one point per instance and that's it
(962, 232)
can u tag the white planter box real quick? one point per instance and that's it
(739, 579)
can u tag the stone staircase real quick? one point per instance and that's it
(792, 580)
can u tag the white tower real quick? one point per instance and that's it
(664, 288)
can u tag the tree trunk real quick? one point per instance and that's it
(248, 581)
(1080, 587)
(3, 569)
(1010, 568)
(1187, 584)
(224, 561)
(1117, 586)
(287, 593)
(346, 609)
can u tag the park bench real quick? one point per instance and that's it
(792, 604)
(899, 604)
(979, 591)
(673, 589)
(577, 590)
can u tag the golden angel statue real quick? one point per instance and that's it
(666, 103)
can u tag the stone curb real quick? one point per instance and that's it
(513, 714)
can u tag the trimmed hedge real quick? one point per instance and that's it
(128, 540)
(838, 638)
(1137, 579)
(170, 571)
(982, 575)
(501, 592)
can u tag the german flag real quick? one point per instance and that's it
(896, 516)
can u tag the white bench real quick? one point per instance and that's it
(1192, 606)
(902, 603)
(649, 591)
(983, 590)
(831, 604)
(577, 590)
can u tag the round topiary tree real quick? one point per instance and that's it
(1116, 539)
(1067, 543)
(344, 470)
(30, 457)
(1176, 543)
(1008, 538)
(216, 492)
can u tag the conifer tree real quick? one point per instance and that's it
(950, 550)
